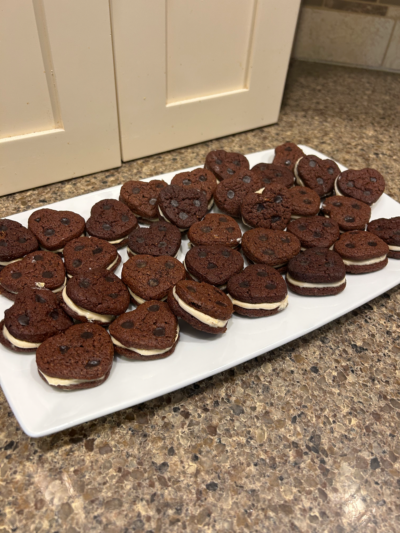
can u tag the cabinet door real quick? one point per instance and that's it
(191, 70)
(58, 114)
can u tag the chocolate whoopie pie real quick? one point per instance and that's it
(316, 272)
(89, 253)
(53, 229)
(362, 252)
(270, 247)
(182, 206)
(79, 358)
(316, 174)
(278, 174)
(216, 229)
(213, 264)
(35, 316)
(141, 197)
(161, 238)
(366, 185)
(112, 221)
(41, 270)
(269, 208)
(349, 213)
(225, 164)
(95, 296)
(287, 154)
(230, 193)
(200, 179)
(305, 202)
(15, 242)
(258, 291)
(388, 229)
(201, 305)
(150, 278)
(149, 332)
(315, 232)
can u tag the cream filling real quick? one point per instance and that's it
(299, 181)
(67, 382)
(314, 285)
(246, 224)
(394, 248)
(139, 299)
(90, 315)
(41, 285)
(141, 351)
(265, 306)
(134, 253)
(166, 219)
(146, 218)
(366, 262)
(5, 263)
(202, 317)
(17, 342)
(117, 241)
(337, 192)
(210, 204)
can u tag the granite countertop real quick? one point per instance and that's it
(304, 438)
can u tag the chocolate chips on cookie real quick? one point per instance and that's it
(112, 221)
(270, 173)
(315, 232)
(362, 252)
(317, 174)
(15, 242)
(214, 264)
(200, 179)
(141, 197)
(305, 202)
(225, 164)
(388, 229)
(216, 229)
(161, 238)
(269, 208)
(349, 213)
(287, 154)
(89, 253)
(182, 206)
(366, 185)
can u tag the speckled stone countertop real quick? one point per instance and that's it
(304, 438)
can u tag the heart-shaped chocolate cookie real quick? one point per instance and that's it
(316, 174)
(161, 238)
(213, 264)
(53, 229)
(182, 206)
(287, 155)
(112, 221)
(200, 179)
(366, 185)
(225, 164)
(216, 229)
(15, 241)
(89, 253)
(271, 173)
(141, 197)
(269, 208)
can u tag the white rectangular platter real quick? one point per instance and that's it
(42, 410)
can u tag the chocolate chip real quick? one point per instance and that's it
(302, 192)
(49, 232)
(221, 304)
(223, 219)
(135, 190)
(261, 274)
(37, 219)
(211, 265)
(197, 203)
(66, 221)
(275, 219)
(337, 204)
(92, 363)
(278, 199)
(106, 207)
(266, 180)
(64, 349)
(202, 253)
(183, 216)
(260, 207)
(174, 203)
(202, 177)
(47, 274)
(367, 193)
(191, 288)
(38, 257)
(23, 320)
(230, 171)
(246, 179)
(162, 228)
(54, 314)
(237, 162)
(372, 243)
(262, 237)
(278, 174)
(288, 149)
(16, 275)
(317, 234)
(268, 251)
(140, 239)
(206, 229)
(285, 239)
(153, 201)
(153, 308)
(79, 247)
(22, 240)
(87, 335)
(244, 284)
(128, 324)
(270, 286)
(186, 182)
(349, 219)
(124, 218)
(76, 263)
(312, 163)
(3, 227)
(106, 227)
(288, 162)
(218, 161)
(141, 264)
(230, 194)
(84, 283)
(162, 244)
(320, 181)
(372, 179)
(226, 253)
(331, 170)
(307, 201)
(327, 225)
(356, 206)
(170, 265)
(350, 184)
(97, 250)
(350, 245)
(301, 227)
(113, 295)
(40, 299)
(230, 229)
(153, 282)
(109, 279)
(159, 332)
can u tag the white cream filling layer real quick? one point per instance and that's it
(41, 285)
(366, 262)
(202, 317)
(264, 306)
(67, 382)
(141, 351)
(210, 204)
(5, 263)
(147, 218)
(17, 342)
(139, 299)
(394, 248)
(117, 241)
(90, 315)
(337, 192)
(299, 181)
(314, 285)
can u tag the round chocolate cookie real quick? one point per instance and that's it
(111, 221)
(349, 213)
(230, 193)
(388, 229)
(149, 332)
(316, 272)
(366, 185)
(287, 154)
(225, 164)
(317, 174)
(201, 305)
(213, 264)
(150, 278)
(95, 296)
(79, 358)
(278, 174)
(37, 270)
(53, 229)
(315, 232)
(182, 206)
(270, 247)
(216, 229)
(362, 252)
(258, 291)
(200, 179)
(141, 197)
(270, 208)
(161, 238)
(35, 316)
(305, 202)
(15, 242)
(89, 253)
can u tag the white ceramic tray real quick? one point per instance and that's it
(42, 410)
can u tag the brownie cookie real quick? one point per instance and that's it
(258, 291)
(89, 253)
(287, 155)
(225, 164)
(95, 296)
(316, 272)
(269, 208)
(305, 202)
(41, 270)
(388, 229)
(79, 358)
(278, 174)
(366, 185)
(141, 197)
(200, 179)
(35, 316)
(149, 332)
(201, 305)
(111, 221)
(230, 193)
(182, 206)
(161, 238)
(270, 247)
(213, 264)
(315, 232)
(150, 278)
(15, 242)
(216, 229)
(362, 252)
(317, 174)
(349, 213)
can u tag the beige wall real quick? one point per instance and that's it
(363, 33)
